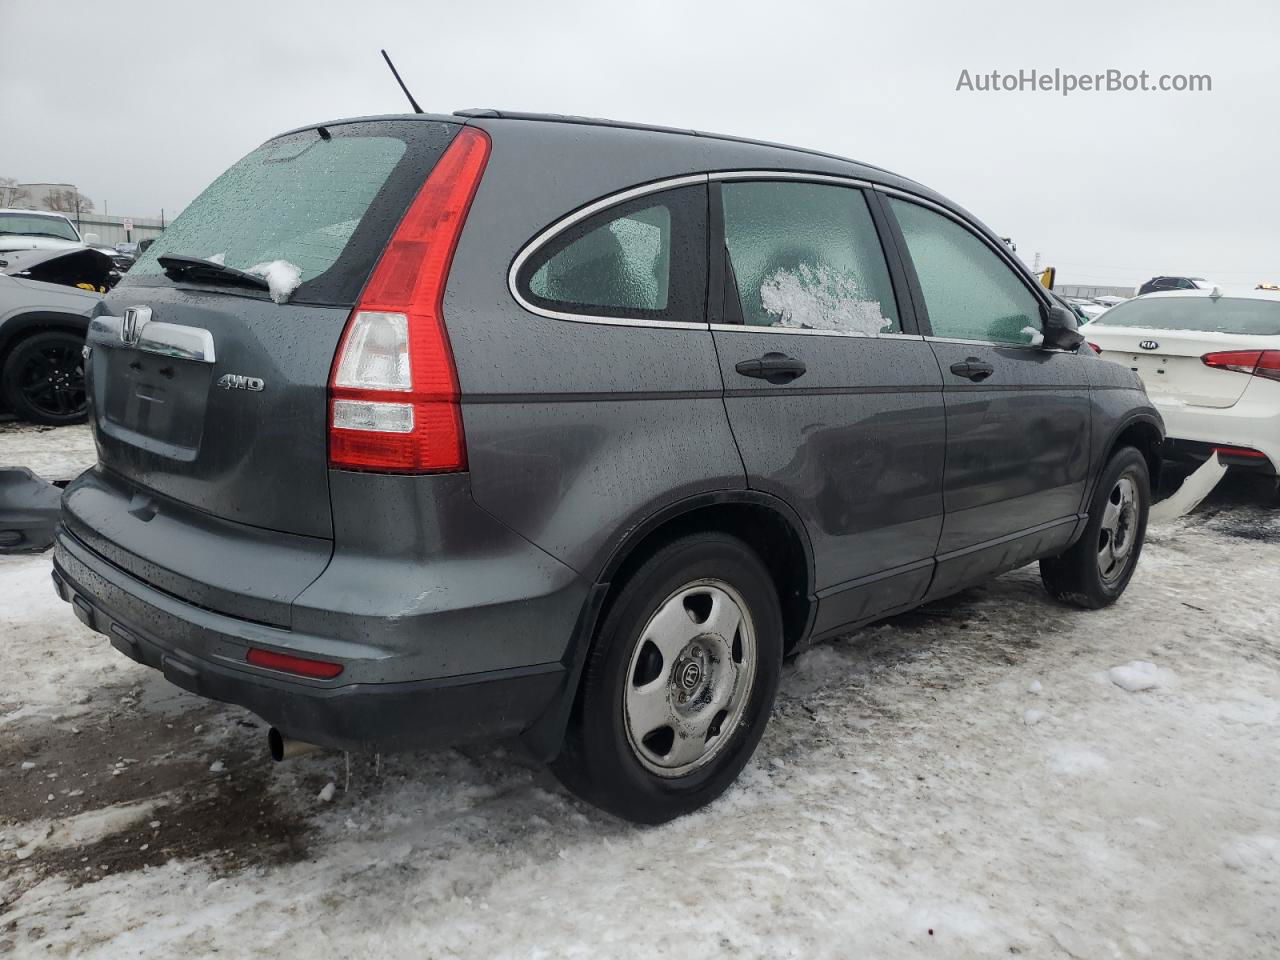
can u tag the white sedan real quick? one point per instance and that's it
(1211, 365)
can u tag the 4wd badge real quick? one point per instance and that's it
(233, 381)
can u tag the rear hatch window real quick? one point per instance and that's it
(323, 200)
(1238, 315)
(238, 429)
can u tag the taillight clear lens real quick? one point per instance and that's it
(375, 353)
(372, 415)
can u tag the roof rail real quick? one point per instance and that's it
(489, 113)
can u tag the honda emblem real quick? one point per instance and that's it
(135, 318)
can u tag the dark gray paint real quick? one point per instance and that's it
(579, 435)
(254, 458)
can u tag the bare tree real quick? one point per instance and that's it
(67, 201)
(11, 194)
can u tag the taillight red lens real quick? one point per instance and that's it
(302, 666)
(393, 392)
(1093, 346)
(1242, 361)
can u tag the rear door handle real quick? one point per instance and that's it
(973, 369)
(773, 367)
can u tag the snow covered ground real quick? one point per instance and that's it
(995, 775)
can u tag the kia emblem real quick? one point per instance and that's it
(1150, 345)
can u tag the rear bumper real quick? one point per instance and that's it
(203, 652)
(1252, 423)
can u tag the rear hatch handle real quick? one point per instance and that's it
(137, 331)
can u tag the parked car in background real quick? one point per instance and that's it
(1108, 300)
(37, 230)
(429, 428)
(1089, 309)
(1211, 364)
(1161, 284)
(77, 266)
(42, 329)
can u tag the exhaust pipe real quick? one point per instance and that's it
(284, 748)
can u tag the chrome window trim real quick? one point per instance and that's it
(1037, 292)
(582, 213)
(754, 328)
(987, 343)
(790, 175)
(166, 339)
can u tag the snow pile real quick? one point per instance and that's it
(1137, 675)
(80, 830)
(1259, 855)
(219, 258)
(1076, 761)
(282, 278)
(819, 298)
(1036, 336)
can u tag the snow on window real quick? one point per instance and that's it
(819, 298)
(282, 278)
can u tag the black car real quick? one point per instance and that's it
(1156, 284)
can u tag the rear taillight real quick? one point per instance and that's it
(1260, 363)
(393, 393)
(1093, 346)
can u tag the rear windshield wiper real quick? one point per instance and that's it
(177, 266)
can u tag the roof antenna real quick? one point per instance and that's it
(396, 73)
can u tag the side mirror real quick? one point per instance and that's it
(1060, 329)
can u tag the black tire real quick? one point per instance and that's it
(43, 378)
(1077, 576)
(598, 760)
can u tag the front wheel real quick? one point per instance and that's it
(679, 683)
(1096, 570)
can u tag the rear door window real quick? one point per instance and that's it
(643, 259)
(970, 293)
(807, 256)
(324, 200)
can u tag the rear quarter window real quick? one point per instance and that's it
(325, 202)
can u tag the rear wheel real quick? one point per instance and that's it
(679, 683)
(1096, 570)
(43, 378)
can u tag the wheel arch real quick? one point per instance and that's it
(767, 524)
(18, 327)
(764, 522)
(1142, 432)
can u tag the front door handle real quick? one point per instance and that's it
(773, 367)
(973, 369)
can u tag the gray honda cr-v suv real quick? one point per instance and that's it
(420, 428)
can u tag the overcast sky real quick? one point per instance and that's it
(141, 104)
